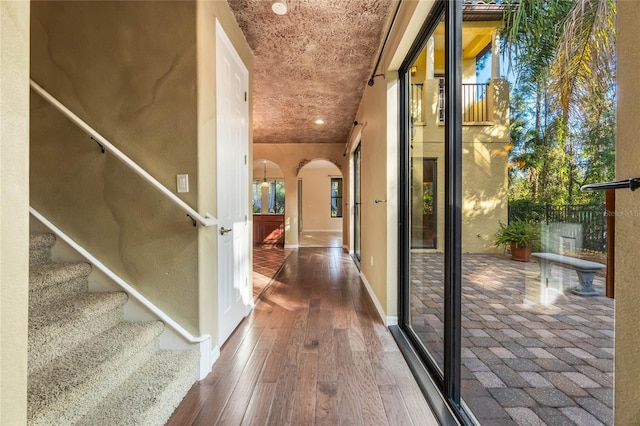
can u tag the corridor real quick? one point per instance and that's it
(313, 351)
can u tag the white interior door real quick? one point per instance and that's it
(232, 77)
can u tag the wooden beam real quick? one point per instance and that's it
(610, 207)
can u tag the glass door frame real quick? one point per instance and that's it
(441, 389)
(357, 213)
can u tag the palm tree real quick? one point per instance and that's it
(585, 55)
(564, 53)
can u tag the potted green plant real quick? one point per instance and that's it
(520, 236)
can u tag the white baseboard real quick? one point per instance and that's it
(206, 367)
(392, 320)
(375, 300)
(322, 230)
(291, 246)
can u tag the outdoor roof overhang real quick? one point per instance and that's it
(483, 11)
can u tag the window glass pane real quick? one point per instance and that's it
(272, 194)
(426, 152)
(336, 197)
(537, 328)
(424, 206)
(357, 229)
(257, 196)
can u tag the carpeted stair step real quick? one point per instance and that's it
(85, 363)
(59, 326)
(70, 387)
(40, 248)
(151, 394)
(51, 281)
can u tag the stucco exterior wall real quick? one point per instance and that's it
(627, 346)
(14, 212)
(484, 163)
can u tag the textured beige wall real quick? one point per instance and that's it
(379, 143)
(316, 199)
(143, 75)
(373, 143)
(272, 174)
(627, 361)
(207, 14)
(129, 70)
(290, 157)
(14, 214)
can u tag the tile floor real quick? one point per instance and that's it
(523, 363)
(267, 260)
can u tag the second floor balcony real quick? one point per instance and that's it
(479, 103)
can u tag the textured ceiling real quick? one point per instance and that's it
(312, 63)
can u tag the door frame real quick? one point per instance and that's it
(357, 202)
(441, 389)
(241, 247)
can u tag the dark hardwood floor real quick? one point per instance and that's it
(313, 351)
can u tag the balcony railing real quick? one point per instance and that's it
(475, 102)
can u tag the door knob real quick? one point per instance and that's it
(223, 230)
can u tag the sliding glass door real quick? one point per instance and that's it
(501, 338)
(357, 232)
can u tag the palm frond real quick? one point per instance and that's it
(585, 55)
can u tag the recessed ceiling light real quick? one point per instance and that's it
(279, 7)
(319, 121)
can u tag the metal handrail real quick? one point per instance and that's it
(123, 284)
(206, 220)
(475, 103)
(203, 342)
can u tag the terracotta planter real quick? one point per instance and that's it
(520, 253)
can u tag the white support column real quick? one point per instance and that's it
(495, 55)
(430, 59)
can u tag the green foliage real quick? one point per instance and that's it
(519, 232)
(427, 202)
(563, 102)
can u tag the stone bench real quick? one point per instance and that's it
(585, 269)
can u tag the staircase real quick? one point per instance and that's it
(86, 364)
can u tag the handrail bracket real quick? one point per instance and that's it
(105, 145)
(99, 144)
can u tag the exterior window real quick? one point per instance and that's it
(272, 197)
(336, 197)
(423, 203)
(257, 196)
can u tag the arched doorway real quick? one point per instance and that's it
(268, 202)
(268, 198)
(321, 204)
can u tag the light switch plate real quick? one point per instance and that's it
(183, 183)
